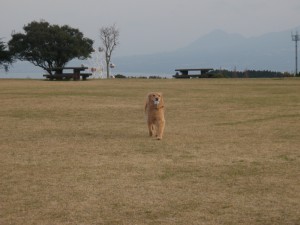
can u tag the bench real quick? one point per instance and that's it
(75, 75)
(85, 75)
(67, 76)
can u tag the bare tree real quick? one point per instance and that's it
(110, 39)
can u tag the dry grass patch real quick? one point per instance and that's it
(79, 152)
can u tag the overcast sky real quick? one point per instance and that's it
(148, 26)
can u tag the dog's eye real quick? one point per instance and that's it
(153, 95)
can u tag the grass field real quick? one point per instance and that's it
(79, 152)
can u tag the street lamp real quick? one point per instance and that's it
(296, 38)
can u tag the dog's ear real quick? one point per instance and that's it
(148, 100)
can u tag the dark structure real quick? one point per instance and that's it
(60, 75)
(197, 73)
(296, 38)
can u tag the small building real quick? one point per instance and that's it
(195, 73)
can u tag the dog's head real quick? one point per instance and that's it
(156, 99)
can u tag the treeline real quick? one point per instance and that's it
(138, 77)
(226, 74)
(246, 74)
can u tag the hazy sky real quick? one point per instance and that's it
(148, 26)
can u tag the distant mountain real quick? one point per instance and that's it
(218, 49)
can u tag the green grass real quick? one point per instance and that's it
(79, 152)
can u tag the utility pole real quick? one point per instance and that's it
(296, 38)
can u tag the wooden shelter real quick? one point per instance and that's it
(197, 73)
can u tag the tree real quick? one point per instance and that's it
(49, 46)
(110, 39)
(5, 57)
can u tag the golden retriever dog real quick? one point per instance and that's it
(155, 113)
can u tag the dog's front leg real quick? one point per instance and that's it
(160, 129)
(150, 128)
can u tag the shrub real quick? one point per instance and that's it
(120, 76)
